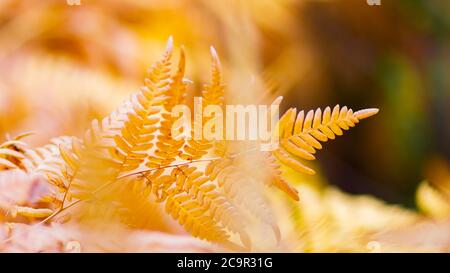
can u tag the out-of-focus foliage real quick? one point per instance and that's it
(433, 199)
(433, 195)
(75, 239)
(328, 220)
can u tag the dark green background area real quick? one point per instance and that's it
(395, 57)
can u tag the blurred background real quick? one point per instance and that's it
(62, 65)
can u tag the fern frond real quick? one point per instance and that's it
(212, 94)
(48, 161)
(4, 162)
(120, 142)
(139, 209)
(11, 152)
(301, 136)
(134, 146)
(181, 207)
(138, 131)
(200, 187)
(241, 190)
(167, 148)
(275, 177)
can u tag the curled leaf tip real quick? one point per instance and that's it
(278, 100)
(365, 113)
(169, 44)
(215, 57)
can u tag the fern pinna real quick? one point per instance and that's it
(203, 184)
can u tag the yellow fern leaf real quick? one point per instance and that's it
(212, 94)
(181, 207)
(167, 148)
(11, 152)
(242, 191)
(301, 135)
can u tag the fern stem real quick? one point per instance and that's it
(184, 163)
(168, 166)
(68, 189)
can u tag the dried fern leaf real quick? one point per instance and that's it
(212, 94)
(167, 148)
(47, 160)
(11, 152)
(276, 179)
(30, 212)
(242, 191)
(185, 210)
(212, 201)
(301, 134)
(120, 142)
